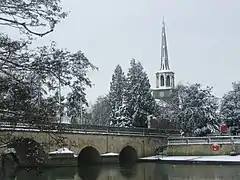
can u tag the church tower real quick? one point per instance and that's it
(164, 76)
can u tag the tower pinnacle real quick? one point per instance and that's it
(164, 50)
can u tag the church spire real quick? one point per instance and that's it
(164, 76)
(164, 50)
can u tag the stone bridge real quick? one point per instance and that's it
(89, 143)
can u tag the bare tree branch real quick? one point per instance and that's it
(25, 27)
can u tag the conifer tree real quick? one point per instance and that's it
(139, 100)
(116, 95)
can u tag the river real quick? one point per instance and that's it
(142, 171)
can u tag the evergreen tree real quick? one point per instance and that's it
(101, 111)
(116, 97)
(139, 100)
(196, 110)
(230, 107)
(75, 101)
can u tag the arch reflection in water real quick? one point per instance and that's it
(33, 174)
(128, 171)
(89, 172)
(61, 173)
(89, 156)
(128, 155)
(143, 171)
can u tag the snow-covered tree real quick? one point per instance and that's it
(122, 117)
(27, 15)
(139, 100)
(54, 67)
(40, 71)
(18, 61)
(21, 103)
(163, 111)
(230, 106)
(75, 105)
(116, 97)
(196, 110)
(14, 97)
(30, 75)
(101, 111)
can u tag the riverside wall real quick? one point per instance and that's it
(201, 149)
(203, 146)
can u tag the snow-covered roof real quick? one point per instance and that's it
(161, 103)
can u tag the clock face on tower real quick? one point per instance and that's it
(161, 94)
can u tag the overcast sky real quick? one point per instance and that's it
(203, 38)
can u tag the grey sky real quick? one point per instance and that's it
(203, 38)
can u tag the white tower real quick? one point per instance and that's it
(164, 76)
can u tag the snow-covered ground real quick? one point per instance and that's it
(62, 151)
(220, 158)
(67, 151)
(177, 158)
(110, 154)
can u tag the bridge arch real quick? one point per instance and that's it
(128, 155)
(28, 151)
(89, 156)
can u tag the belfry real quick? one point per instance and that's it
(164, 76)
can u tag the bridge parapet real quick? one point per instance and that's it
(84, 128)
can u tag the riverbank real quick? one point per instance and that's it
(220, 159)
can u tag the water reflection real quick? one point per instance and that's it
(128, 171)
(89, 172)
(36, 174)
(61, 173)
(144, 171)
(206, 172)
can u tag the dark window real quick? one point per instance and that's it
(162, 80)
(168, 81)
